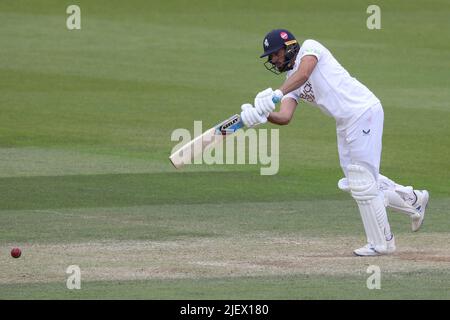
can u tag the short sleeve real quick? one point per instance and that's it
(311, 48)
(293, 94)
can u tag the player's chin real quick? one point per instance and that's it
(281, 67)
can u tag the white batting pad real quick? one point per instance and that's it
(364, 190)
(396, 196)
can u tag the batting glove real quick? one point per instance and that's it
(250, 116)
(265, 101)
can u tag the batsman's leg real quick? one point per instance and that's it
(399, 198)
(364, 189)
(405, 200)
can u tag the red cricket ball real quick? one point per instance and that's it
(16, 252)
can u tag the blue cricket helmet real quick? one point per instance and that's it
(276, 40)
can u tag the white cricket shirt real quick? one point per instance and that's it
(331, 88)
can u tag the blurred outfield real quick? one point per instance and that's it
(85, 124)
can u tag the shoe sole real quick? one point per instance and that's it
(422, 217)
(365, 255)
(373, 254)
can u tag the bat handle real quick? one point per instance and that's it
(275, 99)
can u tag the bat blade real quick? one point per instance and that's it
(187, 153)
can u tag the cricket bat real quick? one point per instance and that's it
(210, 137)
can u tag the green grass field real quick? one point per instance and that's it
(86, 118)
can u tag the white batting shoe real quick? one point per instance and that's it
(369, 249)
(420, 205)
(366, 251)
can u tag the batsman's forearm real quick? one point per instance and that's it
(294, 82)
(278, 118)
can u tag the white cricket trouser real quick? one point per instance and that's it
(361, 143)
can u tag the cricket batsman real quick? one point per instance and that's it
(314, 76)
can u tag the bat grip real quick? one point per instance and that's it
(275, 99)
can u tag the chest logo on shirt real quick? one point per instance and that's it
(307, 92)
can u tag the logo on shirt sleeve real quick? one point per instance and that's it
(307, 92)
